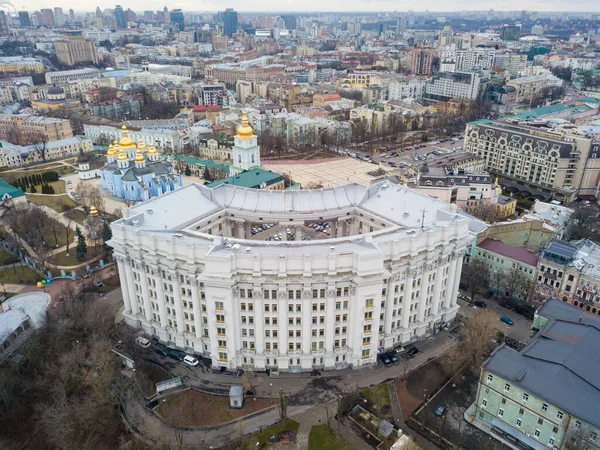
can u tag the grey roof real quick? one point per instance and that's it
(236, 391)
(555, 309)
(559, 365)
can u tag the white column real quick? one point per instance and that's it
(196, 308)
(423, 297)
(450, 286)
(146, 294)
(160, 294)
(329, 319)
(438, 285)
(298, 235)
(306, 320)
(283, 325)
(457, 271)
(259, 321)
(178, 304)
(407, 299)
(131, 285)
(124, 285)
(389, 306)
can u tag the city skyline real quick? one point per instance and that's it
(338, 6)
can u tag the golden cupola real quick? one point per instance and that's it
(245, 131)
(139, 157)
(122, 156)
(152, 149)
(141, 147)
(111, 151)
(126, 143)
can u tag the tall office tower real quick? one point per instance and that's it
(98, 12)
(290, 21)
(166, 15)
(47, 17)
(230, 21)
(120, 16)
(149, 16)
(72, 15)
(24, 19)
(3, 24)
(177, 19)
(422, 58)
(401, 25)
(59, 17)
(73, 48)
(445, 36)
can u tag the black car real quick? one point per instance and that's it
(525, 312)
(161, 349)
(393, 357)
(411, 352)
(177, 355)
(385, 360)
(479, 304)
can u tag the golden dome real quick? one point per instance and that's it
(139, 157)
(111, 151)
(245, 131)
(122, 156)
(152, 149)
(126, 143)
(93, 211)
(141, 146)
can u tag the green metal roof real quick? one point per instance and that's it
(9, 189)
(589, 100)
(480, 122)
(209, 164)
(253, 178)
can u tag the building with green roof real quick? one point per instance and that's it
(9, 193)
(253, 178)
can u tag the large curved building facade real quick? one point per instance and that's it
(194, 275)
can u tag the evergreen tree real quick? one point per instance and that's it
(187, 172)
(206, 174)
(106, 236)
(33, 190)
(50, 189)
(81, 249)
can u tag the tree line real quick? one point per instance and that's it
(46, 189)
(35, 180)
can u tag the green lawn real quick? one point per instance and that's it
(61, 259)
(60, 187)
(260, 441)
(378, 395)
(58, 203)
(7, 257)
(19, 275)
(60, 239)
(322, 438)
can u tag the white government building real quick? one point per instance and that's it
(194, 276)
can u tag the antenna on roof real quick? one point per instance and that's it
(423, 220)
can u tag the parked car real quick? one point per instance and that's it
(506, 320)
(412, 352)
(480, 304)
(505, 304)
(393, 357)
(161, 349)
(385, 360)
(440, 410)
(190, 360)
(177, 355)
(142, 342)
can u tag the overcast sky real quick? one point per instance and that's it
(318, 5)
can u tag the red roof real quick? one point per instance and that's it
(520, 254)
(204, 108)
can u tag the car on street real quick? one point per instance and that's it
(161, 349)
(412, 352)
(480, 304)
(177, 355)
(440, 410)
(190, 360)
(507, 320)
(142, 342)
(393, 357)
(385, 360)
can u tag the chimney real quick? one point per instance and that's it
(580, 319)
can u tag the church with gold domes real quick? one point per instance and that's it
(137, 172)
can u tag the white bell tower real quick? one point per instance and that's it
(246, 152)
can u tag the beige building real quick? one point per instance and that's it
(12, 155)
(544, 160)
(74, 49)
(20, 65)
(533, 86)
(23, 128)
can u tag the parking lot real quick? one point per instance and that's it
(273, 232)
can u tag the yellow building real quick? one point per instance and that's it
(20, 65)
(54, 98)
(74, 49)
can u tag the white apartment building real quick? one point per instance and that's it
(170, 141)
(453, 59)
(71, 75)
(12, 155)
(192, 277)
(533, 86)
(460, 85)
(402, 88)
(513, 63)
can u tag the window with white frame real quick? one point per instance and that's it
(500, 412)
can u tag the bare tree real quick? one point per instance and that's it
(516, 283)
(483, 211)
(478, 332)
(95, 198)
(476, 274)
(283, 404)
(83, 190)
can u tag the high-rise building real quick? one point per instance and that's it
(59, 17)
(177, 19)
(3, 24)
(120, 17)
(72, 15)
(401, 25)
(290, 21)
(24, 19)
(230, 22)
(149, 16)
(47, 17)
(73, 48)
(422, 58)
(445, 36)
(510, 32)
